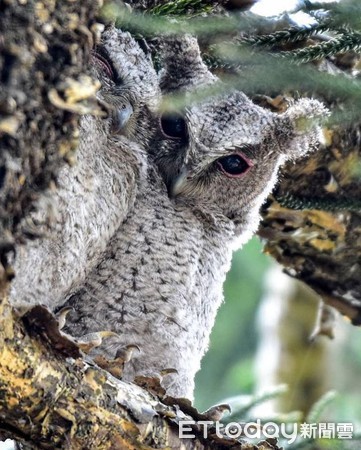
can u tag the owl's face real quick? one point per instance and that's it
(129, 85)
(222, 155)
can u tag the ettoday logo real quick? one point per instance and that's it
(258, 430)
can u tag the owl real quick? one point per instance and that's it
(94, 196)
(210, 167)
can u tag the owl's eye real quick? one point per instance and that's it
(234, 165)
(102, 62)
(173, 125)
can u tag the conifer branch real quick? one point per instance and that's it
(325, 204)
(184, 7)
(319, 407)
(293, 34)
(345, 43)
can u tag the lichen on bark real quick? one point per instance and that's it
(44, 87)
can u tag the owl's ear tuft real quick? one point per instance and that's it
(299, 128)
(306, 114)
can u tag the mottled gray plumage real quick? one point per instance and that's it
(159, 281)
(95, 196)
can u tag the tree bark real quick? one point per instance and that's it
(51, 397)
(312, 223)
(44, 88)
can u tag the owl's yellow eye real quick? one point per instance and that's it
(235, 165)
(173, 125)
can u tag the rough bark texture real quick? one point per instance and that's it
(52, 398)
(44, 88)
(312, 223)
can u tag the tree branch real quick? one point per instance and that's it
(52, 397)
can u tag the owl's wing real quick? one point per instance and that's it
(92, 201)
(95, 196)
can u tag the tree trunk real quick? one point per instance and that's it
(44, 88)
(312, 223)
(50, 394)
(51, 397)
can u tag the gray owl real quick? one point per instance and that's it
(95, 196)
(206, 174)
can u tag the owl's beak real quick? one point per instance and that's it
(121, 117)
(177, 184)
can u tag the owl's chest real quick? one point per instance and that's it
(170, 260)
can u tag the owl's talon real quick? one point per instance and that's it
(165, 372)
(93, 340)
(127, 352)
(216, 412)
(115, 366)
(61, 316)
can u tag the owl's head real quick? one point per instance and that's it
(222, 155)
(129, 84)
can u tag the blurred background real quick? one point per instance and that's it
(261, 340)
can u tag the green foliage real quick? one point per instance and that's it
(319, 407)
(151, 25)
(182, 7)
(346, 12)
(326, 204)
(236, 45)
(292, 34)
(345, 43)
(241, 407)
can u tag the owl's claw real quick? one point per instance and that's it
(126, 353)
(165, 372)
(216, 412)
(61, 316)
(93, 340)
(115, 366)
(153, 381)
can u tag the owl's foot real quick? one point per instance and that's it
(216, 412)
(89, 341)
(48, 326)
(152, 382)
(43, 322)
(115, 366)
